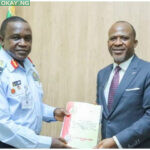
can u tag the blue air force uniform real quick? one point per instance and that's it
(21, 108)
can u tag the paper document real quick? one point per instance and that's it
(82, 128)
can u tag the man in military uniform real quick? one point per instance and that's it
(21, 108)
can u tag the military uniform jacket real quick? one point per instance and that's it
(21, 108)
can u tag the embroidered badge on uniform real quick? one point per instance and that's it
(35, 76)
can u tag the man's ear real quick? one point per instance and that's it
(1, 40)
(135, 43)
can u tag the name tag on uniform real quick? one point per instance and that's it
(26, 100)
(26, 103)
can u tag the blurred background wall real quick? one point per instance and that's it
(70, 45)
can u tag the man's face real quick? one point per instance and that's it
(18, 40)
(121, 42)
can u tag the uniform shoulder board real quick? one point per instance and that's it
(1, 66)
(14, 64)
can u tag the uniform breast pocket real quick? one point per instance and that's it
(15, 94)
(15, 87)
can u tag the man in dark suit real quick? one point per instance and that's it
(123, 89)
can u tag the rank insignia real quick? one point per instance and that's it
(14, 64)
(35, 76)
(16, 83)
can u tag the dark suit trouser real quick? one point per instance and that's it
(3, 145)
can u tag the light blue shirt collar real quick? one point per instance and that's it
(27, 64)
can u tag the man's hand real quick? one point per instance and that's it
(59, 143)
(107, 143)
(59, 114)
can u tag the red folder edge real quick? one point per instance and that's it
(67, 120)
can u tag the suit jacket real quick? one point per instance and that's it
(129, 119)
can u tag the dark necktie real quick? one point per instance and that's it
(113, 87)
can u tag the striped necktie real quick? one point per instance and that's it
(113, 87)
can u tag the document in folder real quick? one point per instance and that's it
(82, 128)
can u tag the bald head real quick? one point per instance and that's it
(127, 24)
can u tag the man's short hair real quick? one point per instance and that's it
(134, 32)
(10, 19)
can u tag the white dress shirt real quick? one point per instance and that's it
(124, 66)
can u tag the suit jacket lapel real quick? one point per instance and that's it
(128, 77)
(105, 79)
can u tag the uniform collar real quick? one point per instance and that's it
(28, 65)
(124, 65)
(12, 64)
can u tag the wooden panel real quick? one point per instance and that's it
(70, 45)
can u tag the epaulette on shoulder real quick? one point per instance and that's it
(2, 65)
